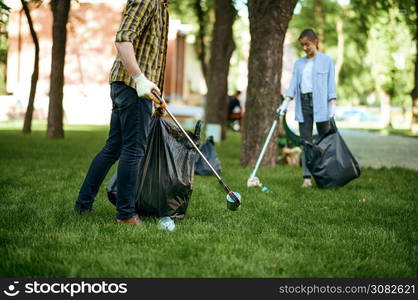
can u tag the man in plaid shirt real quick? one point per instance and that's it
(139, 68)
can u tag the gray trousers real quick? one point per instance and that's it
(305, 128)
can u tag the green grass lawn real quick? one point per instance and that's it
(368, 228)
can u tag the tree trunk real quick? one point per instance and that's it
(340, 50)
(385, 103)
(222, 47)
(321, 24)
(200, 46)
(414, 92)
(27, 125)
(414, 95)
(60, 10)
(269, 20)
(4, 37)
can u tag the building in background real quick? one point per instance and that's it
(90, 53)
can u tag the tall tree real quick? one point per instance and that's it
(414, 92)
(4, 16)
(392, 15)
(60, 10)
(214, 49)
(34, 80)
(222, 47)
(202, 15)
(269, 20)
(340, 49)
(320, 15)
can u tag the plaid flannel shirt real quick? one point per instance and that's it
(145, 25)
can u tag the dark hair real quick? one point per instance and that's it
(310, 35)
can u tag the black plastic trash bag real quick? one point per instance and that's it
(330, 161)
(208, 149)
(165, 179)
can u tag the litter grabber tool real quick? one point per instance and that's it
(233, 199)
(253, 181)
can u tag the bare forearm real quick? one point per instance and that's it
(127, 55)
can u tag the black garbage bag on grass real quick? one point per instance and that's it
(330, 160)
(208, 150)
(166, 174)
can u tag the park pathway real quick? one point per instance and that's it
(376, 150)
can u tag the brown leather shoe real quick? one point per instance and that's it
(135, 220)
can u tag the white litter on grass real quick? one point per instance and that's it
(254, 182)
(166, 223)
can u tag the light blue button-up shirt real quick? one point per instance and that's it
(323, 86)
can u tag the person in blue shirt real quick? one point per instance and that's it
(313, 87)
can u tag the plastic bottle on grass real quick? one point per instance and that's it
(266, 190)
(166, 223)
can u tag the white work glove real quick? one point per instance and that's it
(145, 86)
(283, 107)
(332, 106)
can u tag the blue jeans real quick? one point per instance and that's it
(127, 141)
